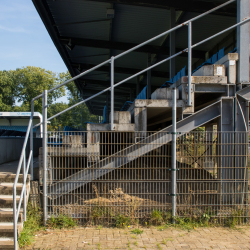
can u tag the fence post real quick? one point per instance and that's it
(189, 62)
(173, 168)
(44, 156)
(31, 139)
(112, 93)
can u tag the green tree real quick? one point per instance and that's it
(20, 86)
(7, 91)
(31, 81)
(75, 117)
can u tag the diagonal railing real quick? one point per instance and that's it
(111, 88)
(22, 163)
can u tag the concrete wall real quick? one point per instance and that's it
(10, 148)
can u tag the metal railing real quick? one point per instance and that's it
(22, 163)
(111, 88)
(113, 58)
(211, 176)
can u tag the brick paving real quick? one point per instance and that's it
(151, 238)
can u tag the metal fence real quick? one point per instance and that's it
(97, 177)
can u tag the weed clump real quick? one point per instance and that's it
(136, 231)
(62, 221)
(31, 226)
(122, 221)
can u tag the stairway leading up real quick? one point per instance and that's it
(6, 206)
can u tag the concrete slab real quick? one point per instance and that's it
(156, 103)
(211, 70)
(106, 127)
(163, 93)
(200, 79)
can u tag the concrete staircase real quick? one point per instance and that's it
(6, 208)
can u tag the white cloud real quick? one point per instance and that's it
(15, 30)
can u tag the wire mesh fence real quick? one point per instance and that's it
(97, 177)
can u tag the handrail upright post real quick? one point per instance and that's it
(31, 139)
(24, 186)
(44, 157)
(189, 62)
(173, 168)
(14, 218)
(112, 93)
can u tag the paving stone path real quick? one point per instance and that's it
(151, 238)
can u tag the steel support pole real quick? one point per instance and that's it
(174, 153)
(172, 44)
(243, 41)
(24, 186)
(189, 62)
(44, 157)
(31, 140)
(112, 94)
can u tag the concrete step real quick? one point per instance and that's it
(6, 229)
(6, 201)
(9, 177)
(6, 215)
(7, 188)
(6, 243)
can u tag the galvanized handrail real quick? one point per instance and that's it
(111, 60)
(144, 70)
(22, 161)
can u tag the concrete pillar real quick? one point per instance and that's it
(243, 41)
(140, 117)
(149, 78)
(172, 43)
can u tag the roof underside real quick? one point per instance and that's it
(85, 37)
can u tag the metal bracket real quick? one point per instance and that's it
(187, 103)
(172, 194)
(173, 169)
(186, 89)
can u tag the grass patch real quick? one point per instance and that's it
(62, 221)
(159, 246)
(136, 231)
(34, 223)
(31, 226)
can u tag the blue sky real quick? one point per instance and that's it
(25, 40)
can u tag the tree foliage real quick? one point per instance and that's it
(18, 87)
(75, 117)
(7, 91)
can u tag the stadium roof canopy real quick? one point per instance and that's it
(87, 33)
